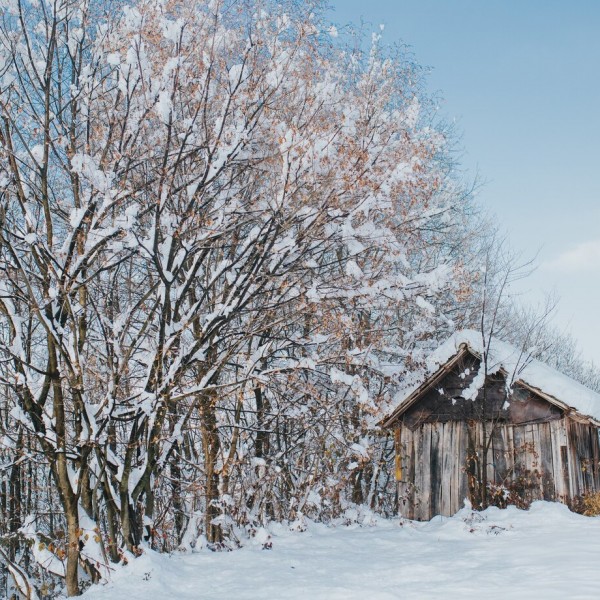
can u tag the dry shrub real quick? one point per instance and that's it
(590, 503)
(514, 493)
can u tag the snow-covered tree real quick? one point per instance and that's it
(222, 236)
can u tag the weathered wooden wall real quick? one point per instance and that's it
(554, 460)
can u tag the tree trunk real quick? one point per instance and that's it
(63, 481)
(211, 445)
(15, 504)
(71, 573)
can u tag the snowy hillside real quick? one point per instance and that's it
(546, 552)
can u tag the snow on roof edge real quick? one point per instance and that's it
(518, 366)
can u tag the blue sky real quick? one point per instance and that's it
(522, 80)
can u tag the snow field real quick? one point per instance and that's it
(544, 553)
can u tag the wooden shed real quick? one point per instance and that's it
(490, 425)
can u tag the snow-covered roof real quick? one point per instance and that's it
(518, 367)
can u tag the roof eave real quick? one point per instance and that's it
(570, 411)
(462, 350)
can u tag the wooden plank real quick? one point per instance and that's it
(509, 443)
(595, 443)
(406, 484)
(447, 470)
(575, 473)
(412, 479)
(546, 462)
(419, 475)
(401, 444)
(397, 454)
(499, 454)
(519, 459)
(455, 468)
(530, 465)
(583, 456)
(462, 442)
(564, 456)
(587, 434)
(426, 476)
(435, 469)
(538, 470)
(560, 470)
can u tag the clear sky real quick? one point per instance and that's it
(522, 80)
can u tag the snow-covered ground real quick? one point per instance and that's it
(544, 553)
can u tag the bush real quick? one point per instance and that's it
(590, 504)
